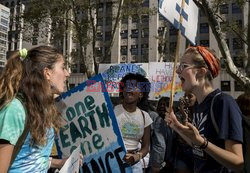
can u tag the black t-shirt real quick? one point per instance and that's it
(228, 118)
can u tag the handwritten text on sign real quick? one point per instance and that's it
(90, 122)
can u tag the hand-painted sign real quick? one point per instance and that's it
(172, 10)
(90, 122)
(113, 73)
(160, 76)
(158, 73)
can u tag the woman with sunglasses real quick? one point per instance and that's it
(214, 149)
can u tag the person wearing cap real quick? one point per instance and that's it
(214, 149)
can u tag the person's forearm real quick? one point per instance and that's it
(6, 151)
(57, 163)
(144, 151)
(189, 142)
(155, 169)
(229, 159)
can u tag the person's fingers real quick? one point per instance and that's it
(191, 126)
(81, 159)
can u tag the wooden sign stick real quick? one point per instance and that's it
(177, 54)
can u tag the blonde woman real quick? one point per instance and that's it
(214, 149)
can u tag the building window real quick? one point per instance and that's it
(144, 49)
(235, 8)
(201, 13)
(124, 20)
(82, 68)
(123, 59)
(145, 33)
(222, 63)
(4, 29)
(34, 41)
(108, 35)
(100, 7)
(146, 3)
(15, 46)
(108, 21)
(74, 68)
(204, 28)
(99, 36)
(71, 85)
(134, 33)
(109, 5)
(135, 19)
(224, 9)
(237, 43)
(161, 31)
(238, 24)
(145, 18)
(9, 47)
(173, 30)
(161, 17)
(124, 34)
(225, 86)
(237, 86)
(227, 41)
(99, 22)
(124, 50)
(134, 49)
(204, 43)
(3, 36)
(172, 47)
(238, 61)
(4, 22)
(98, 51)
(134, 58)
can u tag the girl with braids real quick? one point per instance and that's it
(215, 132)
(27, 88)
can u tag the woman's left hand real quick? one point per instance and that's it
(188, 131)
(130, 158)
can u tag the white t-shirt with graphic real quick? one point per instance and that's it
(131, 125)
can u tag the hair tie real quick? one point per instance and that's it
(23, 53)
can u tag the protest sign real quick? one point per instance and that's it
(173, 9)
(90, 122)
(72, 163)
(160, 76)
(113, 73)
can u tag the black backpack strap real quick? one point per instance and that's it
(212, 114)
(23, 136)
(143, 118)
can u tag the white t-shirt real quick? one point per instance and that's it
(131, 125)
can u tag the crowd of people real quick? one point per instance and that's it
(204, 133)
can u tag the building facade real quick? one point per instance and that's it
(148, 38)
(4, 28)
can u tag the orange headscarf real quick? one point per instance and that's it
(211, 61)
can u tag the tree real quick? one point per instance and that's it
(214, 19)
(62, 16)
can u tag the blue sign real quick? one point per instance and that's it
(89, 122)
